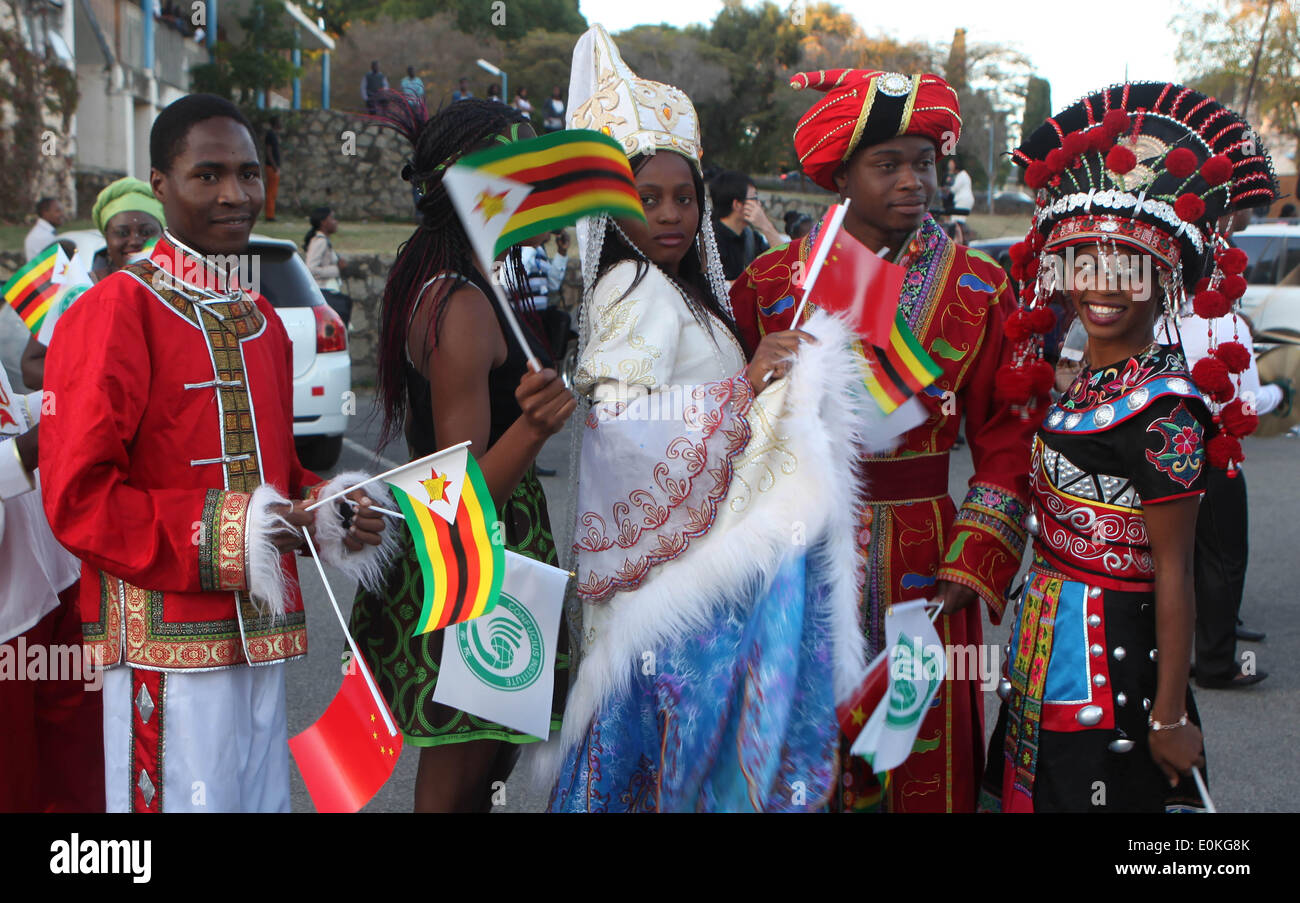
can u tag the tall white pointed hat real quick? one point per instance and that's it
(642, 115)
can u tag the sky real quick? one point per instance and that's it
(1078, 51)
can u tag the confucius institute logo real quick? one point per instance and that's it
(503, 649)
(911, 664)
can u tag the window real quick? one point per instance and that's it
(1264, 251)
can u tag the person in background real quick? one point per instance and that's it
(1222, 524)
(324, 263)
(413, 85)
(522, 104)
(494, 93)
(553, 111)
(797, 225)
(373, 84)
(740, 224)
(462, 91)
(272, 167)
(130, 217)
(963, 196)
(49, 216)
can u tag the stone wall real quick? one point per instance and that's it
(339, 160)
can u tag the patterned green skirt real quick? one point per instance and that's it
(406, 666)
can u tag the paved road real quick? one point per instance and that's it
(1251, 736)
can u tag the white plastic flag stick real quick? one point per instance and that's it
(815, 266)
(533, 363)
(388, 511)
(352, 644)
(1204, 791)
(387, 473)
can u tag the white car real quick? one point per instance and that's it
(322, 367)
(1272, 299)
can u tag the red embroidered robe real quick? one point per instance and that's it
(164, 417)
(912, 535)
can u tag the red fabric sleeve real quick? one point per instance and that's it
(98, 371)
(744, 307)
(987, 538)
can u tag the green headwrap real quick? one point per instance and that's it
(126, 194)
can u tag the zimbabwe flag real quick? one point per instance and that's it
(512, 192)
(899, 369)
(32, 289)
(453, 524)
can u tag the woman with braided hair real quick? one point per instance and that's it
(449, 370)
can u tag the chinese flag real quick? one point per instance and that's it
(348, 754)
(854, 711)
(858, 282)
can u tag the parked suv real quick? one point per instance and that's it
(1272, 299)
(322, 367)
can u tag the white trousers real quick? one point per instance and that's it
(209, 741)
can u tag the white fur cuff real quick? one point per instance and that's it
(367, 565)
(267, 583)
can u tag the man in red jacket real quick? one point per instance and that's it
(168, 466)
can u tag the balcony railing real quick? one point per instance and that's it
(122, 22)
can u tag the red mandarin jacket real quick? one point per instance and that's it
(166, 415)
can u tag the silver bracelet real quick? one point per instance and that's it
(1157, 726)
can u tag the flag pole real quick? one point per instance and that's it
(533, 363)
(387, 473)
(352, 644)
(1204, 791)
(815, 267)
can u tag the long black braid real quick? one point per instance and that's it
(439, 244)
(692, 277)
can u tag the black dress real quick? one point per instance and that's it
(1081, 668)
(406, 665)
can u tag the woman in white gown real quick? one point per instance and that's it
(716, 557)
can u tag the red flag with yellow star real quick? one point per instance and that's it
(351, 750)
(854, 711)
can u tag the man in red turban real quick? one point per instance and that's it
(874, 139)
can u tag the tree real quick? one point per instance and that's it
(955, 72)
(1038, 106)
(1217, 49)
(258, 62)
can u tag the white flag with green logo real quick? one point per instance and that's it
(501, 666)
(917, 667)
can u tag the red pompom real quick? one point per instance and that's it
(1180, 162)
(1042, 319)
(1018, 272)
(1189, 207)
(1233, 287)
(1019, 252)
(1202, 285)
(1210, 304)
(1121, 159)
(1031, 268)
(1217, 169)
(1017, 327)
(1235, 356)
(1075, 144)
(1100, 140)
(1037, 174)
(1057, 160)
(1237, 419)
(1211, 376)
(1233, 261)
(1042, 376)
(1115, 122)
(1013, 385)
(1224, 450)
